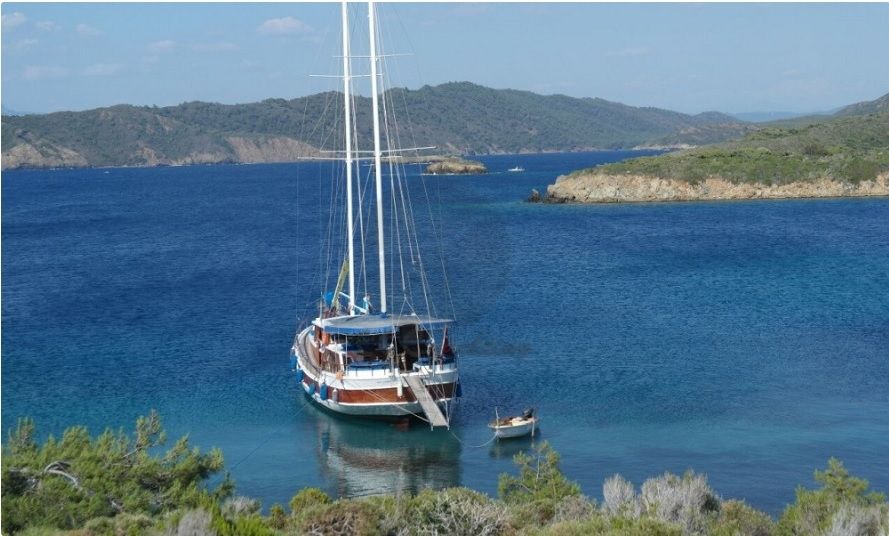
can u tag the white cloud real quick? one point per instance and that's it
(47, 25)
(13, 19)
(102, 69)
(165, 45)
(632, 51)
(284, 25)
(219, 46)
(42, 72)
(88, 31)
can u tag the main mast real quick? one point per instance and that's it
(347, 83)
(381, 245)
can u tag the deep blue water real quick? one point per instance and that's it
(746, 340)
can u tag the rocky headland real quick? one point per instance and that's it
(605, 188)
(839, 157)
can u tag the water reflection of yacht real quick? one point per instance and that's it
(364, 458)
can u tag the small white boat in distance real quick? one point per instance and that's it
(507, 427)
(517, 169)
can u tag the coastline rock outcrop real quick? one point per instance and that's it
(46, 155)
(606, 188)
(456, 166)
(260, 149)
(269, 149)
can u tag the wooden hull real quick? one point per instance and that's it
(378, 394)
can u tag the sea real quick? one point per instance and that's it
(745, 340)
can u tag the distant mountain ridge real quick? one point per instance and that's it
(867, 107)
(762, 117)
(457, 117)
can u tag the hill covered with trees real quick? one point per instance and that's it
(852, 149)
(844, 155)
(459, 118)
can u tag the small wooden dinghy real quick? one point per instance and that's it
(520, 426)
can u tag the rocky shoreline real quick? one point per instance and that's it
(230, 150)
(606, 188)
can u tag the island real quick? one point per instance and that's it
(455, 166)
(839, 157)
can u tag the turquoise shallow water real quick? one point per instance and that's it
(745, 340)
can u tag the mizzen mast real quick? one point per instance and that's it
(347, 83)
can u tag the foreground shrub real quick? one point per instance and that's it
(120, 524)
(610, 526)
(307, 499)
(341, 518)
(539, 479)
(817, 511)
(531, 515)
(687, 501)
(277, 517)
(454, 511)
(192, 523)
(574, 508)
(738, 519)
(860, 521)
(64, 483)
(43, 531)
(620, 498)
(393, 512)
(239, 506)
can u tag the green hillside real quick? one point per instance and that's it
(473, 119)
(455, 117)
(850, 149)
(866, 107)
(118, 135)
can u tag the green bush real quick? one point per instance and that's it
(687, 501)
(738, 519)
(615, 526)
(814, 510)
(343, 517)
(64, 483)
(307, 499)
(456, 511)
(277, 517)
(539, 479)
(123, 524)
(574, 508)
(529, 515)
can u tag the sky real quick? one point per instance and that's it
(685, 57)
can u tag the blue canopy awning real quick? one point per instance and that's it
(375, 324)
